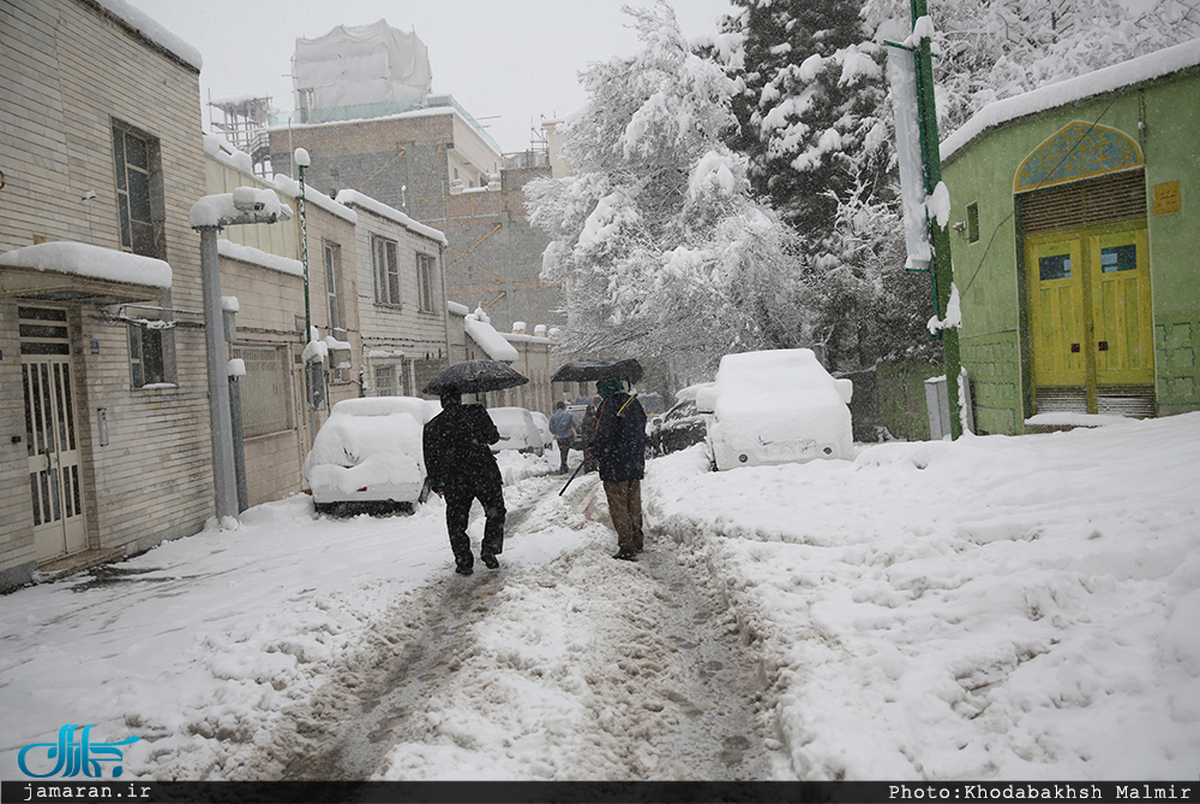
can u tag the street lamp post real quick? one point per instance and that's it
(208, 216)
(314, 366)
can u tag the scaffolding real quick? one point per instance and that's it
(245, 127)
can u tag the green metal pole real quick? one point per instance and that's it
(304, 261)
(942, 272)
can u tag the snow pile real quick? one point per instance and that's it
(144, 24)
(1109, 79)
(992, 608)
(243, 205)
(255, 256)
(348, 197)
(94, 262)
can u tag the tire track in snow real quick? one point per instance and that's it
(577, 668)
(349, 745)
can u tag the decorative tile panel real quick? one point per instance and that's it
(1076, 152)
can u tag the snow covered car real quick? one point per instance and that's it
(543, 425)
(679, 428)
(367, 456)
(777, 406)
(517, 430)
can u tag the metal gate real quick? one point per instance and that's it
(52, 439)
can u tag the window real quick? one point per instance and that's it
(426, 282)
(263, 390)
(1054, 267)
(333, 293)
(139, 192)
(387, 271)
(973, 223)
(149, 353)
(1118, 258)
(386, 381)
(333, 285)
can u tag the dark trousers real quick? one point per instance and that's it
(625, 508)
(460, 493)
(564, 446)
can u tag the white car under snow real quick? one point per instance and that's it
(367, 456)
(777, 406)
(517, 430)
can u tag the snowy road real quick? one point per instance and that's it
(658, 685)
(993, 608)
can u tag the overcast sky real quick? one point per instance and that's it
(518, 59)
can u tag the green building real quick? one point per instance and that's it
(1077, 253)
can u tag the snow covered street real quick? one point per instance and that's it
(993, 608)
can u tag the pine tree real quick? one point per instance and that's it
(813, 85)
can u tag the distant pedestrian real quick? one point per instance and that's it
(620, 449)
(461, 467)
(587, 431)
(562, 427)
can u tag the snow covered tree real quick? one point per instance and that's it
(809, 105)
(994, 49)
(655, 238)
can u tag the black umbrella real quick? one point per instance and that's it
(626, 369)
(475, 377)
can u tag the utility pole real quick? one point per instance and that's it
(941, 270)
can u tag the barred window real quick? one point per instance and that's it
(150, 353)
(264, 390)
(387, 381)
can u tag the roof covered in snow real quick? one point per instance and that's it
(155, 33)
(1135, 71)
(354, 197)
(492, 342)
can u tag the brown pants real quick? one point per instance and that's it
(625, 508)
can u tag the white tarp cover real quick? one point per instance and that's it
(351, 66)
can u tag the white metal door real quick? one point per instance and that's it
(53, 446)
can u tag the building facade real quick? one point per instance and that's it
(1075, 258)
(262, 268)
(401, 298)
(102, 361)
(431, 161)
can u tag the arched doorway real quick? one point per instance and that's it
(1081, 197)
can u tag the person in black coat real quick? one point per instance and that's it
(620, 450)
(460, 466)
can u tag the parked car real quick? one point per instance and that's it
(679, 428)
(367, 456)
(777, 406)
(543, 425)
(517, 430)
